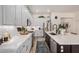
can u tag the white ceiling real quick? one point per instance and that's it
(53, 8)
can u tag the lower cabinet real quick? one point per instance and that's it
(64, 49)
(53, 46)
(47, 40)
(29, 45)
(75, 48)
(56, 48)
(23, 50)
(25, 46)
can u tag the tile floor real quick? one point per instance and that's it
(40, 46)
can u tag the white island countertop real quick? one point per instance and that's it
(14, 43)
(67, 39)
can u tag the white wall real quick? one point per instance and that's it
(39, 21)
(77, 22)
(61, 15)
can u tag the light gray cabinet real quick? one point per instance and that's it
(53, 46)
(14, 15)
(24, 15)
(21, 15)
(18, 15)
(9, 14)
(0, 15)
(25, 47)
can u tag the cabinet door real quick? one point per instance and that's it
(64, 48)
(23, 48)
(24, 16)
(75, 48)
(53, 46)
(0, 15)
(18, 15)
(47, 40)
(29, 44)
(9, 15)
(19, 50)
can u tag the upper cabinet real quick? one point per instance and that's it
(14, 15)
(0, 15)
(9, 14)
(24, 15)
(18, 15)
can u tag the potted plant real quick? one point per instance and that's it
(23, 31)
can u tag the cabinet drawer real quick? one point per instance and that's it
(75, 48)
(63, 48)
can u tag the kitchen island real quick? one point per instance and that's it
(17, 44)
(68, 43)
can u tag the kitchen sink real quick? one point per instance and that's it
(53, 33)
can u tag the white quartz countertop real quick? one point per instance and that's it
(14, 43)
(67, 39)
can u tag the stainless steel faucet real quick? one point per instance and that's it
(55, 27)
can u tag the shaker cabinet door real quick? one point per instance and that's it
(53, 45)
(24, 15)
(0, 15)
(21, 15)
(9, 15)
(18, 15)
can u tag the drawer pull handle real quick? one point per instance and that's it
(62, 50)
(62, 47)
